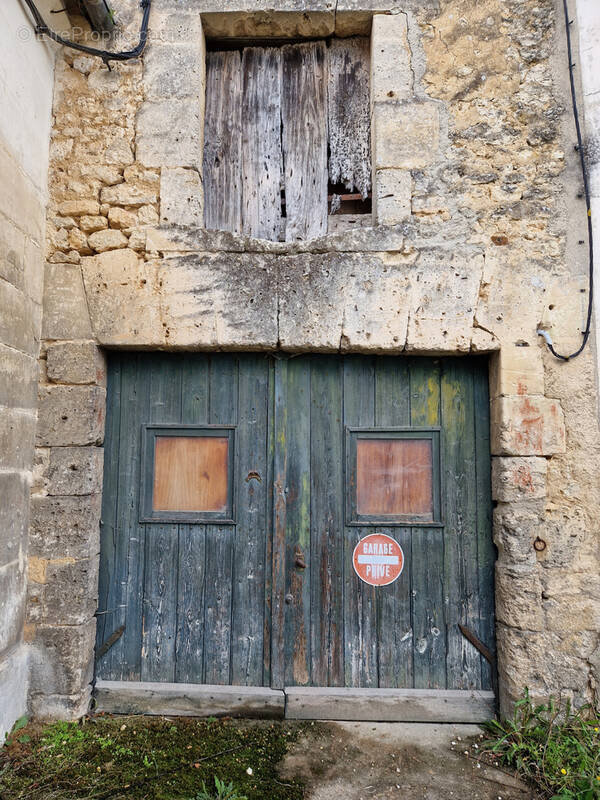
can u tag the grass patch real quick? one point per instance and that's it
(148, 758)
(555, 748)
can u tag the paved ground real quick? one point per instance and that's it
(372, 761)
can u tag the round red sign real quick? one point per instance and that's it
(378, 559)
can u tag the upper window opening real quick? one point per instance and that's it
(287, 139)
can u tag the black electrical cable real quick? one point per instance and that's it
(586, 189)
(105, 55)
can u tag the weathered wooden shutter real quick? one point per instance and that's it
(304, 130)
(270, 117)
(223, 142)
(262, 162)
(348, 113)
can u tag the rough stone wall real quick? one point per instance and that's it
(475, 243)
(26, 81)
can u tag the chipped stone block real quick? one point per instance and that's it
(20, 319)
(70, 415)
(444, 295)
(65, 527)
(123, 299)
(519, 597)
(78, 241)
(65, 307)
(318, 306)
(577, 592)
(129, 194)
(79, 208)
(517, 479)
(174, 70)
(92, 224)
(110, 239)
(181, 197)
(391, 74)
(62, 658)
(48, 598)
(17, 436)
(515, 530)
(75, 362)
(14, 515)
(219, 300)
(527, 426)
(169, 134)
(391, 198)
(405, 135)
(120, 218)
(12, 607)
(74, 470)
(517, 370)
(18, 384)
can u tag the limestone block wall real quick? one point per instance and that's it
(474, 244)
(26, 82)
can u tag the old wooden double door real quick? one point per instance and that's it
(236, 489)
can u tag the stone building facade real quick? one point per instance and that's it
(475, 243)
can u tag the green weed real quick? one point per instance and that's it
(223, 792)
(554, 746)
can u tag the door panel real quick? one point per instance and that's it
(192, 597)
(273, 599)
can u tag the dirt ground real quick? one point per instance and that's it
(372, 761)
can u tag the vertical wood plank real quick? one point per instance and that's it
(248, 599)
(304, 136)
(461, 579)
(298, 581)
(190, 603)
(220, 540)
(268, 588)
(486, 552)
(394, 623)
(222, 174)
(348, 108)
(113, 542)
(135, 398)
(427, 549)
(262, 159)
(192, 539)
(360, 603)
(327, 521)
(278, 575)
(162, 543)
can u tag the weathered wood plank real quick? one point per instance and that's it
(304, 137)
(248, 598)
(262, 158)
(135, 403)
(427, 550)
(360, 599)
(181, 699)
(222, 172)
(394, 622)
(220, 540)
(191, 576)
(348, 107)
(159, 633)
(327, 520)
(268, 587)
(486, 552)
(298, 609)
(189, 655)
(461, 578)
(389, 705)
(278, 570)
(113, 546)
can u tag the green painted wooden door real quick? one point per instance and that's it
(272, 598)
